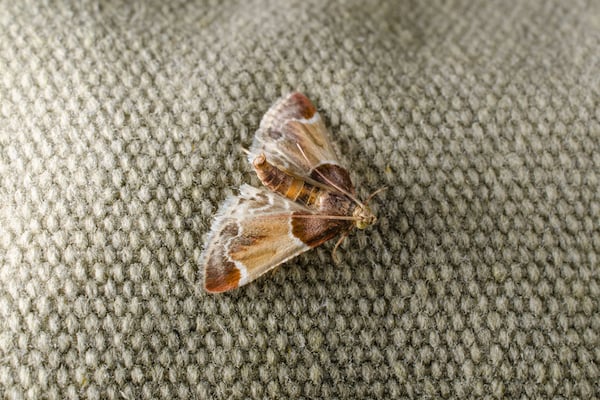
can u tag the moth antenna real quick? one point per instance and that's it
(339, 189)
(312, 216)
(245, 150)
(323, 216)
(381, 189)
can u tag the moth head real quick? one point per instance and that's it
(363, 216)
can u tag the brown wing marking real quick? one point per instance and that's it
(314, 232)
(334, 173)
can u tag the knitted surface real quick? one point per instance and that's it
(121, 127)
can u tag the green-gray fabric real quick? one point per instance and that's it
(121, 131)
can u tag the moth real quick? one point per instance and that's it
(307, 199)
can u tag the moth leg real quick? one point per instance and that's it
(338, 243)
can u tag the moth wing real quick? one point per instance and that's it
(252, 233)
(291, 122)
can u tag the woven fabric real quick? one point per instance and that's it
(121, 127)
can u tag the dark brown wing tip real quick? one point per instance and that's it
(221, 278)
(220, 286)
(303, 104)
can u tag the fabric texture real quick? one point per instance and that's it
(121, 128)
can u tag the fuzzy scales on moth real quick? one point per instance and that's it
(307, 199)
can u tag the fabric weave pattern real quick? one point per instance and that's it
(120, 132)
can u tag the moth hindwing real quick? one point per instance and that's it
(307, 199)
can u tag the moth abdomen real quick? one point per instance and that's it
(285, 184)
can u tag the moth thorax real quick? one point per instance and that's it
(364, 216)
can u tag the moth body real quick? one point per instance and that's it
(293, 188)
(308, 198)
(312, 231)
(326, 201)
